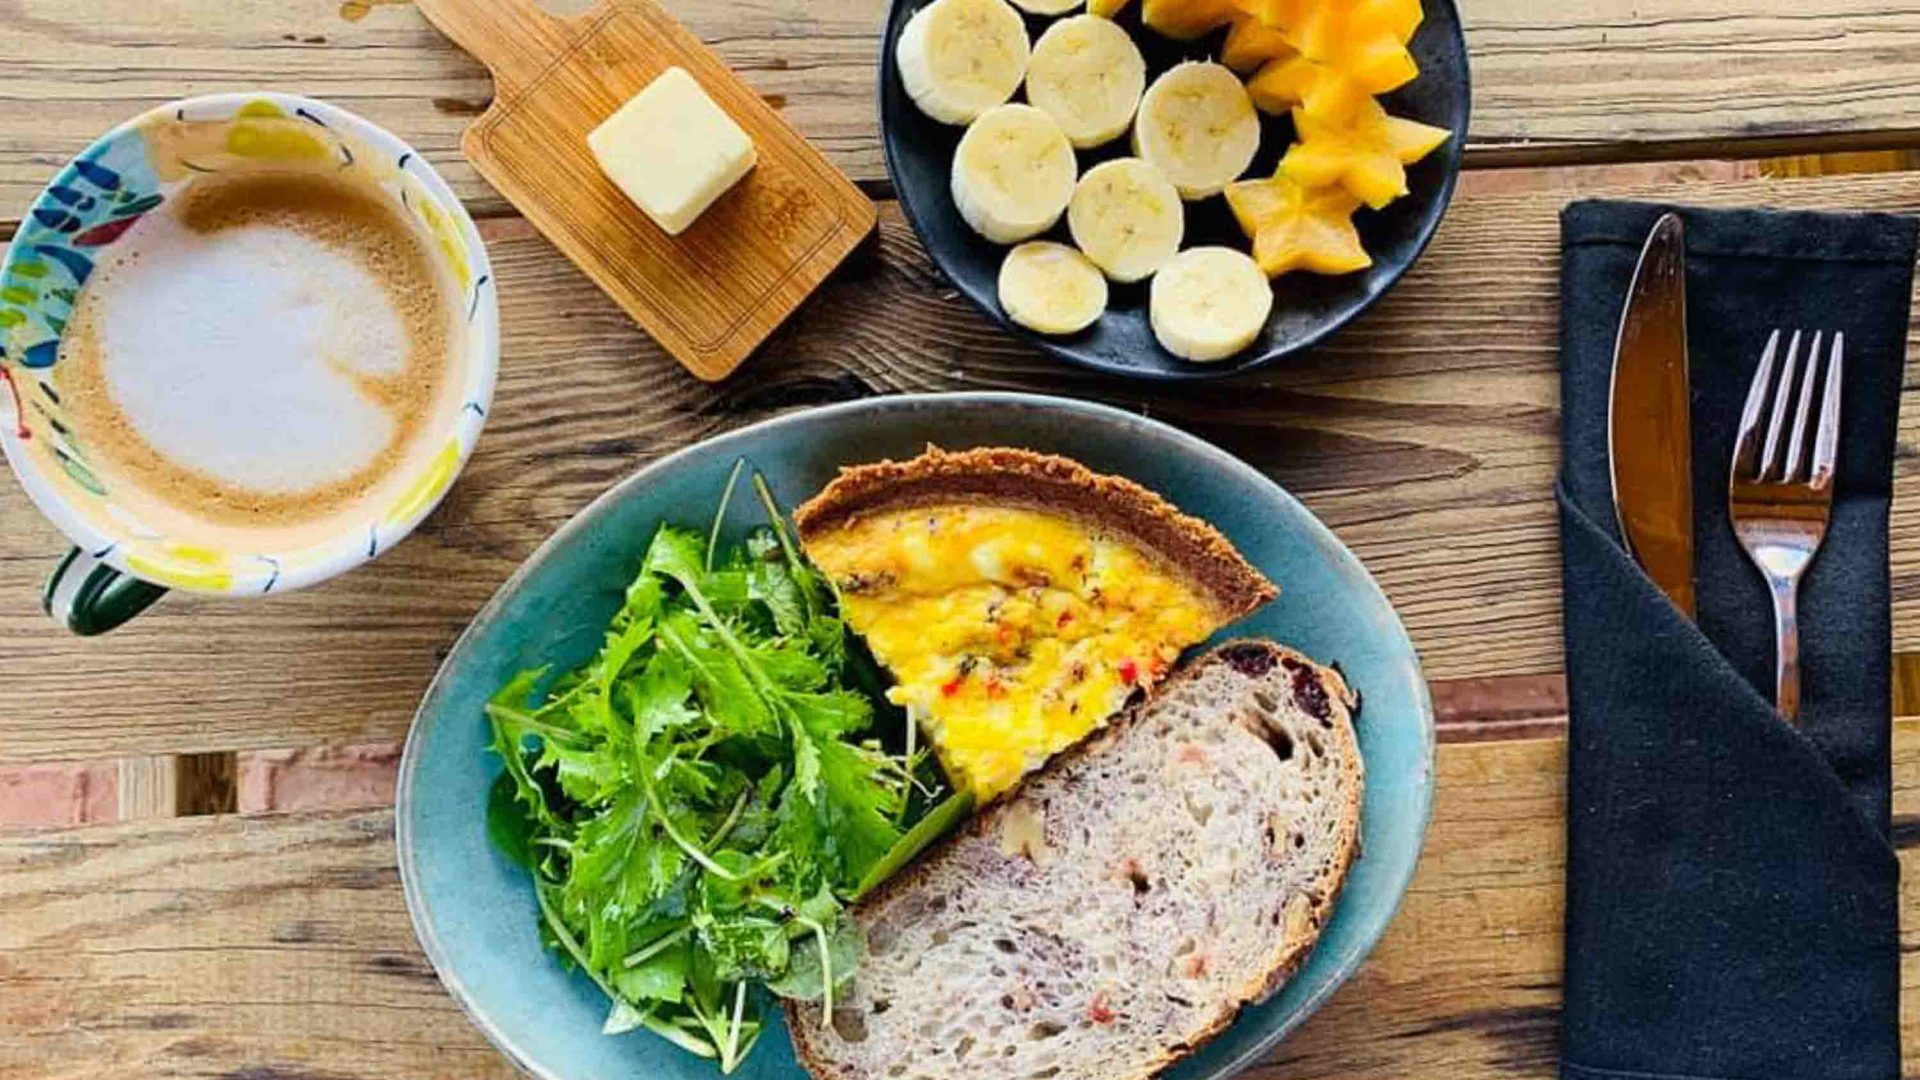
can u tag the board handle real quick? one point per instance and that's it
(515, 39)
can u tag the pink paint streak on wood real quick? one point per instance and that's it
(1508, 707)
(324, 778)
(1508, 697)
(52, 796)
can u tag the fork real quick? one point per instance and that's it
(1780, 493)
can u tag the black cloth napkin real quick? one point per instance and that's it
(1732, 895)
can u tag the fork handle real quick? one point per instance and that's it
(1786, 622)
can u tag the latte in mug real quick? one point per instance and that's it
(263, 356)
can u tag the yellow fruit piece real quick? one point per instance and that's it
(1299, 83)
(1281, 15)
(1367, 155)
(1412, 140)
(1364, 39)
(1251, 43)
(1323, 25)
(1380, 64)
(1294, 228)
(1400, 17)
(1283, 85)
(1185, 20)
(1106, 9)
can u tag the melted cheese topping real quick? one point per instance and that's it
(1010, 634)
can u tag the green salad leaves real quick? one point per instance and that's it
(698, 802)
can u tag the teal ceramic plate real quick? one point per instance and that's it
(475, 912)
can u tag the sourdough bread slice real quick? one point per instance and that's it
(1123, 904)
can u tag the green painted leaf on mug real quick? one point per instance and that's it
(81, 474)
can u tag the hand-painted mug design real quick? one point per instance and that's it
(122, 563)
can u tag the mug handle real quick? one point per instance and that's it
(89, 597)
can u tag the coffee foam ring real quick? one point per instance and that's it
(357, 222)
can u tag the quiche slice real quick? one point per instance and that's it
(1018, 599)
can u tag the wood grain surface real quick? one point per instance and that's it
(711, 294)
(279, 947)
(1426, 436)
(1594, 80)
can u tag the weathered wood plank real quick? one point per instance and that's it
(1592, 78)
(1597, 80)
(279, 946)
(68, 72)
(149, 788)
(1426, 436)
(261, 947)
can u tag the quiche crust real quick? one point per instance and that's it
(1002, 476)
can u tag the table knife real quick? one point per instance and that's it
(1649, 417)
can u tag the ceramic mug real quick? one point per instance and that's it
(119, 565)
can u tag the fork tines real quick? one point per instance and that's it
(1779, 454)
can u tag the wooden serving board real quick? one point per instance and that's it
(711, 294)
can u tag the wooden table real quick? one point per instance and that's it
(276, 947)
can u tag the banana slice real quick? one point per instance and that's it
(1197, 126)
(1087, 74)
(1208, 303)
(1013, 173)
(1051, 288)
(1127, 218)
(959, 58)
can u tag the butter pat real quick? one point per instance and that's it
(672, 150)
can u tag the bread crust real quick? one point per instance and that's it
(1003, 476)
(804, 1020)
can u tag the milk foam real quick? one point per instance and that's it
(255, 390)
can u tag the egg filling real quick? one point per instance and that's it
(1010, 634)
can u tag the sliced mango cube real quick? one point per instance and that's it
(1185, 20)
(1106, 9)
(1295, 228)
(1251, 43)
(1367, 155)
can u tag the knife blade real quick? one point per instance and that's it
(1649, 417)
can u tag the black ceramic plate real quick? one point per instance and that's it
(1306, 307)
